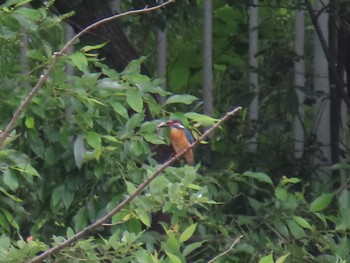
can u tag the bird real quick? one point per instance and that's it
(180, 138)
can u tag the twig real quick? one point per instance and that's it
(93, 227)
(46, 73)
(235, 242)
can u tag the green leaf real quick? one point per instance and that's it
(134, 99)
(188, 233)
(153, 138)
(80, 219)
(191, 247)
(79, 60)
(204, 120)
(259, 176)
(120, 109)
(5, 242)
(295, 229)
(321, 202)
(281, 193)
(89, 48)
(136, 147)
(134, 66)
(93, 139)
(30, 13)
(26, 168)
(281, 259)
(184, 99)
(10, 219)
(267, 259)
(29, 122)
(57, 195)
(302, 222)
(144, 217)
(79, 151)
(173, 258)
(10, 179)
(130, 187)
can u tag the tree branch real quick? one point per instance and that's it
(46, 73)
(235, 242)
(93, 227)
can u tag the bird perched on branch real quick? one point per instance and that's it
(180, 138)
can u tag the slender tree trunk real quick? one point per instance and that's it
(253, 75)
(336, 100)
(69, 35)
(322, 91)
(207, 59)
(299, 82)
(115, 6)
(162, 58)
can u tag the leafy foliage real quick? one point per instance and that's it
(87, 140)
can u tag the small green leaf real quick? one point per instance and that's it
(184, 99)
(93, 139)
(29, 122)
(10, 179)
(136, 147)
(120, 109)
(89, 48)
(5, 242)
(267, 259)
(134, 99)
(296, 230)
(153, 138)
(144, 217)
(130, 187)
(30, 13)
(259, 176)
(281, 193)
(302, 222)
(281, 259)
(191, 247)
(173, 258)
(79, 151)
(57, 195)
(26, 168)
(204, 120)
(80, 219)
(79, 60)
(321, 202)
(188, 233)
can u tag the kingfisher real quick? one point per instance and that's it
(180, 138)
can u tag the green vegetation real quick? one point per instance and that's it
(86, 141)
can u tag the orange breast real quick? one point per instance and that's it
(179, 142)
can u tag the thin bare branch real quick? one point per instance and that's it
(46, 73)
(93, 227)
(235, 242)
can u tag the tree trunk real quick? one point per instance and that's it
(162, 58)
(322, 91)
(207, 59)
(253, 75)
(119, 51)
(299, 82)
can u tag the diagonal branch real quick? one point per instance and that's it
(93, 227)
(46, 73)
(235, 242)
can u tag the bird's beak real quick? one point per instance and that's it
(162, 125)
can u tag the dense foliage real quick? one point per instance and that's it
(87, 140)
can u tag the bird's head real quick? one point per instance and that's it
(172, 124)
